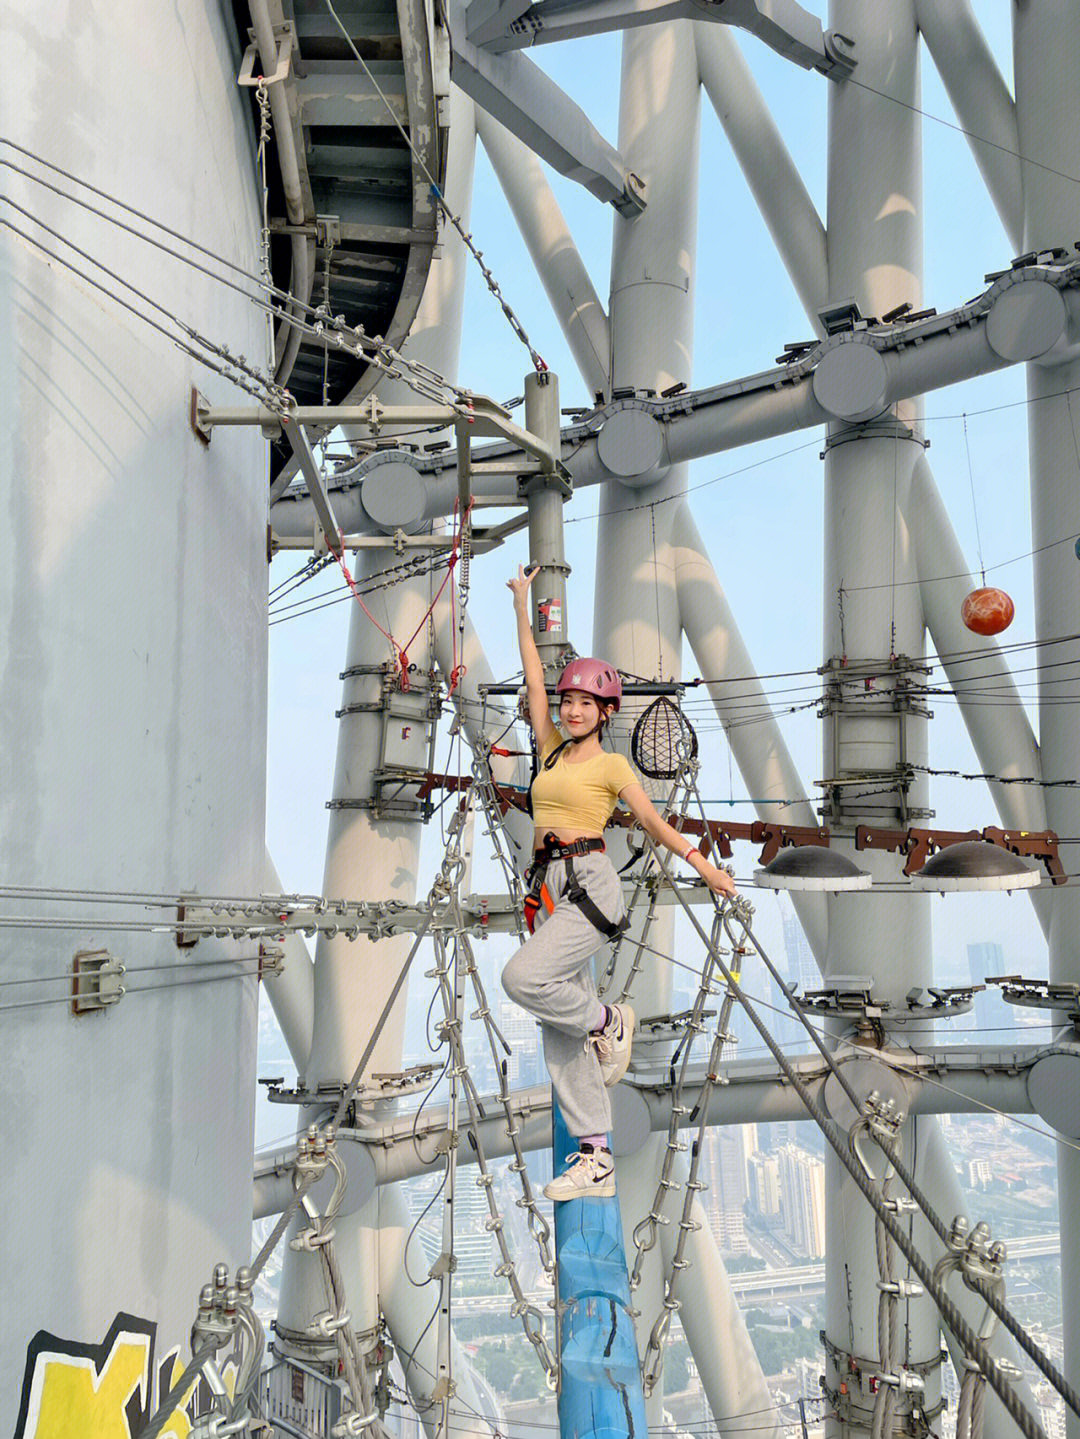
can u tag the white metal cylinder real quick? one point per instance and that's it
(133, 648)
(637, 621)
(1046, 40)
(566, 282)
(757, 144)
(872, 613)
(759, 749)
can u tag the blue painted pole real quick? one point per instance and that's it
(600, 1395)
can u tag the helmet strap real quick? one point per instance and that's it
(581, 738)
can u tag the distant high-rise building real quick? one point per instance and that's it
(980, 1173)
(763, 1177)
(802, 967)
(474, 1244)
(521, 1034)
(802, 1200)
(723, 1169)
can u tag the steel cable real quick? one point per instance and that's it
(950, 1313)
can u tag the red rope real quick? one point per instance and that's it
(401, 652)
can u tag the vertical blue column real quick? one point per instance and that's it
(600, 1395)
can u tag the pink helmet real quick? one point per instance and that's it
(595, 677)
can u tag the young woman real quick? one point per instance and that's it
(576, 899)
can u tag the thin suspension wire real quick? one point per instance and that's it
(376, 352)
(961, 130)
(974, 505)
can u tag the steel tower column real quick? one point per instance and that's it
(1046, 41)
(636, 619)
(133, 654)
(875, 258)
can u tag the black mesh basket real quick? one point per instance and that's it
(663, 740)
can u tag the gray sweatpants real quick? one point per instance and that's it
(551, 976)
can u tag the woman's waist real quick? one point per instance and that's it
(564, 837)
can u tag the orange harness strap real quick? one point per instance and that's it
(533, 901)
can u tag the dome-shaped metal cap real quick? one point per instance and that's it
(975, 864)
(811, 866)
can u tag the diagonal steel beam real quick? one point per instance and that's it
(783, 25)
(309, 468)
(532, 107)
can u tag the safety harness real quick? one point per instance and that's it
(538, 893)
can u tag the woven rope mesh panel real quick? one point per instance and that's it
(663, 739)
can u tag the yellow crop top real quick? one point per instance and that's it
(581, 796)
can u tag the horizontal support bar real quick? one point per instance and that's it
(747, 1091)
(889, 363)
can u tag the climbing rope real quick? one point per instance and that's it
(455, 965)
(401, 652)
(653, 1360)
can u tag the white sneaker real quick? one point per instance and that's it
(591, 1176)
(613, 1043)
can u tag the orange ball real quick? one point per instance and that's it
(987, 611)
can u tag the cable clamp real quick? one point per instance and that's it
(310, 1240)
(901, 1204)
(904, 1382)
(352, 1424)
(217, 1426)
(325, 1325)
(902, 1288)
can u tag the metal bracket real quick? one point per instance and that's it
(285, 37)
(96, 977)
(919, 844)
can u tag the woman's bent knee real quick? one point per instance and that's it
(515, 980)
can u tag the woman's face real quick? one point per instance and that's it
(580, 712)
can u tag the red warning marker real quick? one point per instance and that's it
(987, 611)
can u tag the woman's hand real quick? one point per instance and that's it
(520, 586)
(718, 880)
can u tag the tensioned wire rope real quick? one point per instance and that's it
(259, 281)
(288, 299)
(275, 1235)
(177, 1391)
(235, 369)
(361, 62)
(967, 1337)
(375, 351)
(933, 579)
(757, 464)
(949, 1311)
(794, 1011)
(899, 1167)
(439, 892)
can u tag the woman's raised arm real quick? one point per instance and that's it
(536, 691)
